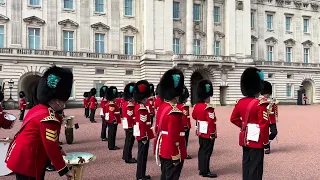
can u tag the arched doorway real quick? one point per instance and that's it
(26, 83)
(308, 86)
(195, 78)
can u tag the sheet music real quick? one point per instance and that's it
(125, 123)
(106, 116)
(101, 112)
(203, 127)
(136, 130)
(253, 132)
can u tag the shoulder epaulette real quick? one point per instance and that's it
(175, 109)
(51, 116)
(264, 101)
(209, 106)
(142, 107)
(130, 104)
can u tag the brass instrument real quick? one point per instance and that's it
(69, 128)
(77, 160)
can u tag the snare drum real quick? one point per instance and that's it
(4, 145)
(8, 121)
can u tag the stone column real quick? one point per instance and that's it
(243, 29)
(148, 18)
(189, 27)
(230, 29)
(52, 25)
(210, 27)
(85, 26)
(167, 25)
(16, 23)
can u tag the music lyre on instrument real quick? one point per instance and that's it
(8, 121)
(4, 145)
(77, 160)
(69, 128)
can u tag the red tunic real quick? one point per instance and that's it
(35, 142)
(150, 105)
(93, 102)
(128, 113)
(172, 143)
(1, 116)
(273, 113)
(157, 102)
(23, 104)
(205, 112)
(103, 102)
(112, 113)
(142, 119)
(258, 115)
(186, 115)
(86, 102)
(119, 102)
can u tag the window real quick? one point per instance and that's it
(68, 40)
(217, 48)
(176, 10)
(99, 71)
(196, 46)
(269, 22)
(196, 12)
(72, 91)
(176, 46)
(306, 52)
(289, 92)
(98, 86)
(99, 6)
(252, 50)
(305, 25)
(270, 75)
(289, 76)
(34, 38)
(34, 2)
(252, 20)
(288, 24)
(270, 53)
(99, 43)
(68, 4)
(2, 36)
(129, 72)
(288, 54)
(128, 4)
(1, 1)
(217, 14)
(128, 45)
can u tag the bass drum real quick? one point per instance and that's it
(4, 145)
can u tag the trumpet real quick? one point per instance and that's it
(77, 160)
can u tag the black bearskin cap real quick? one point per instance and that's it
(171, 84)
(157, 90)
(56, 83)
(35, 100)
(120, 94)
(93, 91)
(267, 88)
(185, 95)
(103, 91)
(151, 86)
(112, 93)
(128, 91)
(1, 95)
(204, 90)
(22, 94)
(141, 91)
(86, 94)
(251, 82)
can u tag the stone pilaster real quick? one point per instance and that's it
(189, 27)
(243, 28)
(16, 23)
(210, 27)
(85, 25)
(52, 24)
(115, 26)
(230, 29)
(168, 25)
(148, 18)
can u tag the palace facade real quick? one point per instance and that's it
(113, 42)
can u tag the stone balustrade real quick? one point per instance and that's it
(204, 58)
(287, 64)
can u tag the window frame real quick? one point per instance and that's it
(176, 11)
(196, 44)
(217, 15)
(35, 5)
(176, 45)
(289, 53)
(125, 7)
(307, 30)
(64, 5)
(289, 87)
(288, 25)
(217, 47)
(268, 51)
(200, 13)
(99, 41)
(4, 35)
(252, 20)
(73, 40)
(125, 42)
(95, 83)
(271, 23)
(34, 36)
(306, 61)
(252, 50)
(103, 7)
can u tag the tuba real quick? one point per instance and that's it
(77, 161)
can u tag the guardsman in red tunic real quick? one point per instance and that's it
(119, 101)
(157, 100)
(93, 104)
(171, 144)
(112, 117)
(150, 103)
(186, 115)
(273, 113)
(22, 105)
(86, 104)
(104, 101)
(204, 114)
(251, 115)
(128, 122)
(37, 139)
(142, 127)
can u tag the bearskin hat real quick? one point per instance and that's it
(1, 96)
(171, 84)
(128, 91)
(185, 95)
(141, 91)
(103, 91)
(204, 90)
(120, 94)
(251, 81)
(151, 86)
(267, 88)
(112, 93)
(35, 100)
(157, 90)
(93, 91)
(56, 83)
(86, 94)
(22, 94)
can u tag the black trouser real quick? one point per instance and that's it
(252, 163)
(22, 177)
(273, 131)
(112, 133)
(204, 154)
(120, 110)
(104, 129)
(92, 114)
(86, 112)
(21, 114)
(186, 136)
(169, 171)
(152, 119)
(142, 159)
(127, 150)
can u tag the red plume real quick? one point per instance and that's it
(142, 88)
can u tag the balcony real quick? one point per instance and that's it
(287, 64)
(203, 58)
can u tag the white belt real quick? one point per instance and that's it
(148, 123)
(116, 112)
(271, 112)
(166, 133)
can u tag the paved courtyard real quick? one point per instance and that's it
(295, 154)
